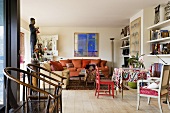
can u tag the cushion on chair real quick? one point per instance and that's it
(153, 86)
(148, 91)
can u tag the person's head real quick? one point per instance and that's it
(32, 20)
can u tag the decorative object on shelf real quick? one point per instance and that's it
(126, 31)
(125, 51)
(86, 45)
(122, 34)
(136, 61)
(135, 36)
(157, 34)
(159, 14)
(167, 11)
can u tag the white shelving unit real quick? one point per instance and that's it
(161, 55)
(126, 37)
(50, 42)
(159, 40)
(125, 55)
(124, 47)
(159, 26)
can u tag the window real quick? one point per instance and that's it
(1, 49)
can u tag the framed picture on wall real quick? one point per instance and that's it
(86, 45)
(135, 36)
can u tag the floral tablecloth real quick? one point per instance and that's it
(128, 75)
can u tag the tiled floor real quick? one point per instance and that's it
(84, 101)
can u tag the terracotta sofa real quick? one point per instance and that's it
(76, 65)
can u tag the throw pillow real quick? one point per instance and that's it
(63, 62)
(153, 86)
(103, 63)
(56, 66)
(95, 61)
(52, 68)
(69, 65)
(85, 62)
(77, 63)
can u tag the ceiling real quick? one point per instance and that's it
(83, 13)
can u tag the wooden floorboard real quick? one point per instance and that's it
(84, 101)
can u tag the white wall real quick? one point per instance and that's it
(66, 41)
(25, 29)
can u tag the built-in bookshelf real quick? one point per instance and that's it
(160, 39)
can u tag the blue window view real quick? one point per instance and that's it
(1, 50)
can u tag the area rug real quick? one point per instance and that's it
(77, 85)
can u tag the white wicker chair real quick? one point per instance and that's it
(159, 92)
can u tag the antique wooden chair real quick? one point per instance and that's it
(90, 75)
(51, 76)
(99, 82)
(157, 89)
(37, 100)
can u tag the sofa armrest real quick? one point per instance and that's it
(64, 73)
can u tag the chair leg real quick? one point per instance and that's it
(149, 98)
(109, 89)
(113, 90)
(159, 103)
(138, 101)
(167, 99)
(98, 90)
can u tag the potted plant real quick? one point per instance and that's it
(135, 61)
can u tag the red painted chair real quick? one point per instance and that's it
(103, 82)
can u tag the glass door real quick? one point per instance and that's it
(1, 49)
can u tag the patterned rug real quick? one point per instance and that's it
(77, 85)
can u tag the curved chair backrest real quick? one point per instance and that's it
(9, 71)
(164, 78)
(38, 69)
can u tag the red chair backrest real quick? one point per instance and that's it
(97, 75)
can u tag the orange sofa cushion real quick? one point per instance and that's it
(77, 63)
(72, 69)
(85, 62)
(63, 62)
